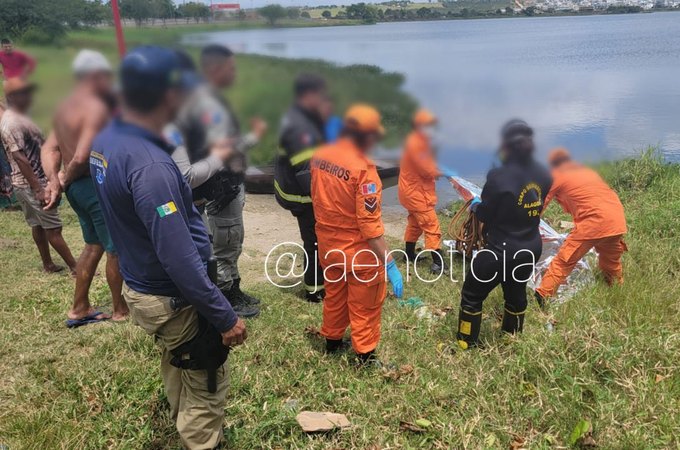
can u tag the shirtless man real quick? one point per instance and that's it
(77, 121)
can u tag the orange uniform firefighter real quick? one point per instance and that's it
(346, 194)
(418, 172)
(599, 222)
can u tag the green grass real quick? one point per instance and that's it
(612, 359)
(263, 88)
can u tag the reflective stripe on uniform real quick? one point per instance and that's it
(302, 156)
(291, 197)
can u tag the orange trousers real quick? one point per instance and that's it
(427, 222)
(356, 304)
(609, 249)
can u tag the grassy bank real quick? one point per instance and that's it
(612, 359)
(263, 88)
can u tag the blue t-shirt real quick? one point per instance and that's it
(162, 243)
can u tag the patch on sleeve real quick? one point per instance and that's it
(166, 209)
(175, 137)
(211, 118)
(100, 165)
(369, 188)
(371, 204)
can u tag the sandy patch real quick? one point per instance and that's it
(268, 224)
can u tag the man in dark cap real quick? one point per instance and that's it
(163, 247)
(510, 209)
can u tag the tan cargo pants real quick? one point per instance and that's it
(199, 415)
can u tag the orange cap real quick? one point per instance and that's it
(558, 155)
(424, 117)
(16, 84)
(364, 118)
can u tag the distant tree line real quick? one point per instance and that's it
(398, 11)
(47, 20)
(275, 12)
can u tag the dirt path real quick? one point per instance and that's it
(267, 224)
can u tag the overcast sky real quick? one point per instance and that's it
(259, 3)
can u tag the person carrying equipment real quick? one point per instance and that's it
(347, 193)
(302, 131)
(164, 247)
(599, 222)
(510, 209)
(417, 175)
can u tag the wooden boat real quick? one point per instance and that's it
(260, 179)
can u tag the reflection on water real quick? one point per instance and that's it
(604, 86)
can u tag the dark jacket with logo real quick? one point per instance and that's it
(512, 201)
(301, 133)
(162, 243)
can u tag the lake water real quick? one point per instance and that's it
(603, 86)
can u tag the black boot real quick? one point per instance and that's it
(512, 322)
(410, 250)
(439, 265)
(248, 299)
(315, 297)
(239, 304)
(336, 345)
(468, 329)
(540, 300)
(369, 360)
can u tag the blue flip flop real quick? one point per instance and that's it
(91, 318)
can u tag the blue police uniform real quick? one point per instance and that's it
(162, 242)
(163, 249)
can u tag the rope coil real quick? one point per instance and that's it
(466, 229)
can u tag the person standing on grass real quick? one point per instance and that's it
(207, 119)
(599, 223)
(347, 195)
(164, 247)
(15, 63)
(302, 132)
(510, 208)
(417, 194)
(75, 124)
(21, 140)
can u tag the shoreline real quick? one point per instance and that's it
(132, 33)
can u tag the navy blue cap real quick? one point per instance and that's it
(151, 68)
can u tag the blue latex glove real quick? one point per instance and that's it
(475, 201)
(448, 173)
(394, 276)
(333, 128)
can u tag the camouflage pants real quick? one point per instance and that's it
(226, 228)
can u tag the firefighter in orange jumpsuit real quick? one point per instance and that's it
(418, 172)
(346, 194)
(599, 222)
